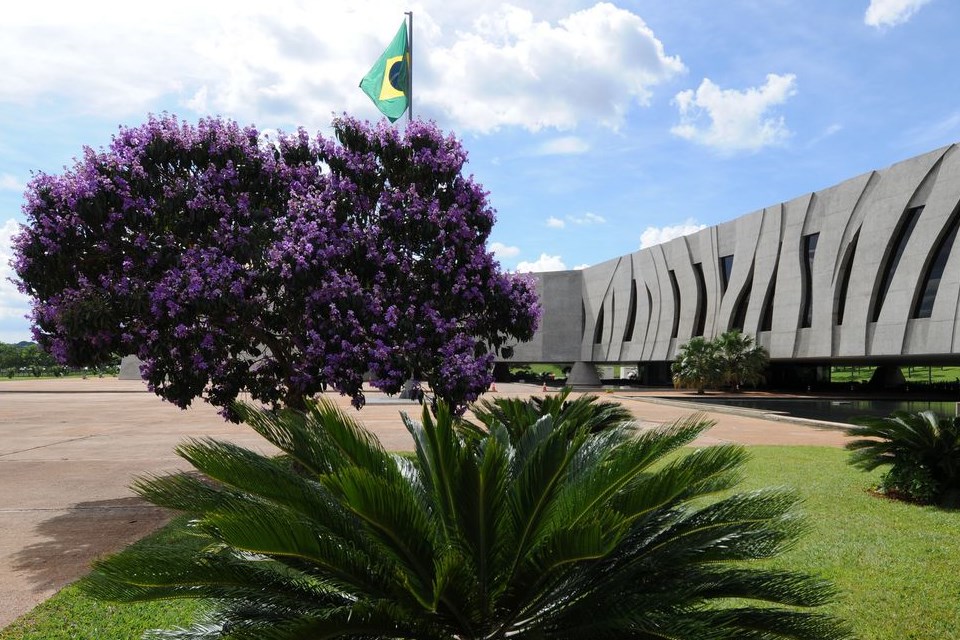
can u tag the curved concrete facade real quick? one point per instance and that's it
(845, 274)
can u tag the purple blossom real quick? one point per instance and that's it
(233, 264)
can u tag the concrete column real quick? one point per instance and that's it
(583, 374)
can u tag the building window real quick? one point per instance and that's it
(809, 252)
(743, 301)
(766, 314)
(631, 313)
(845, 268)
(726, 268)
(649, 306)
(583, 319)
(701, 317)
(931, 280)
(598, 331)
(900, 239)
(676, 303)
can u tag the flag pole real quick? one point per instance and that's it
(409, 66)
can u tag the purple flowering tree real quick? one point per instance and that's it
(231, 263)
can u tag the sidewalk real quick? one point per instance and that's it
(70, 448)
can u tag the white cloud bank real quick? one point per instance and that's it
(543, 263)
(277, 64)
(591, 66)
(10, 183)
(564, 146)
(889, 13)
(588, 218)
(737, 120)
(657, 235)
(13, 304)
(504, 251)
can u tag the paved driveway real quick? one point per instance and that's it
(70, 448)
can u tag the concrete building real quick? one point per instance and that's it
(865, 272)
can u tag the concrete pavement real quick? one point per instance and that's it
(69, 450)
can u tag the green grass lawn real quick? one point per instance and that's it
(930, 375)
(896, 566)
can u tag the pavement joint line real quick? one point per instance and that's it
(145, 505)
(50, 444)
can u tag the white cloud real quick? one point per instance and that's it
(657, 235)
(567, 145)
(586, 219)
(504, 251)
(592, 65)
(543, 263)
(890, 13)
(738, 120)
(831, 130)
(10, 183)
(580, 267)
(276, 64)
(13, 304)
(930, 134)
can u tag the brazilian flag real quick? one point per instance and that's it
(387, 81)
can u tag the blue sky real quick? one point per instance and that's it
(598, 128)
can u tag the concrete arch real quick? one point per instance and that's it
(768, 254)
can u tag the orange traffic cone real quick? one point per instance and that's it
(544, 387)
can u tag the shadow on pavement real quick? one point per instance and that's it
(71, 540)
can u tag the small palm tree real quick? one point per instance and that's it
(550, 531)
(517, 415)
(922, 450)
(741, 360)
(697, 365)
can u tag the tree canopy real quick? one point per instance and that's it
(229, 261)
(732, 359)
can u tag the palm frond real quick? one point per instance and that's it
(547, 518)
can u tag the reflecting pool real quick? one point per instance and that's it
(834, 410)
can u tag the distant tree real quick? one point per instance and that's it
(8, 356)
(697, 365)
(24, 355)
(741, 360)
(229, 262)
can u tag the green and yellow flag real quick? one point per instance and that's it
(387, 81)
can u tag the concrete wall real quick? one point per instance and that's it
(587, 313)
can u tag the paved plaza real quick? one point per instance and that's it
(70, 448)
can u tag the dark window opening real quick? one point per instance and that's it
(676, 303)
(766, 316)
(726, 268)
(631, 312)
(845, 268)
(649, 306)
(701, 317)
(809, 252)
(901, 237)
(598, 331)
(743, 301)
(583, 319)
(931, 280)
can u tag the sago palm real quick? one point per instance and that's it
(697, 365)
(549, 531)
(741, 360)
(922, 450)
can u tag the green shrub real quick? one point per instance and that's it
(549, 530)
(922, 450)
